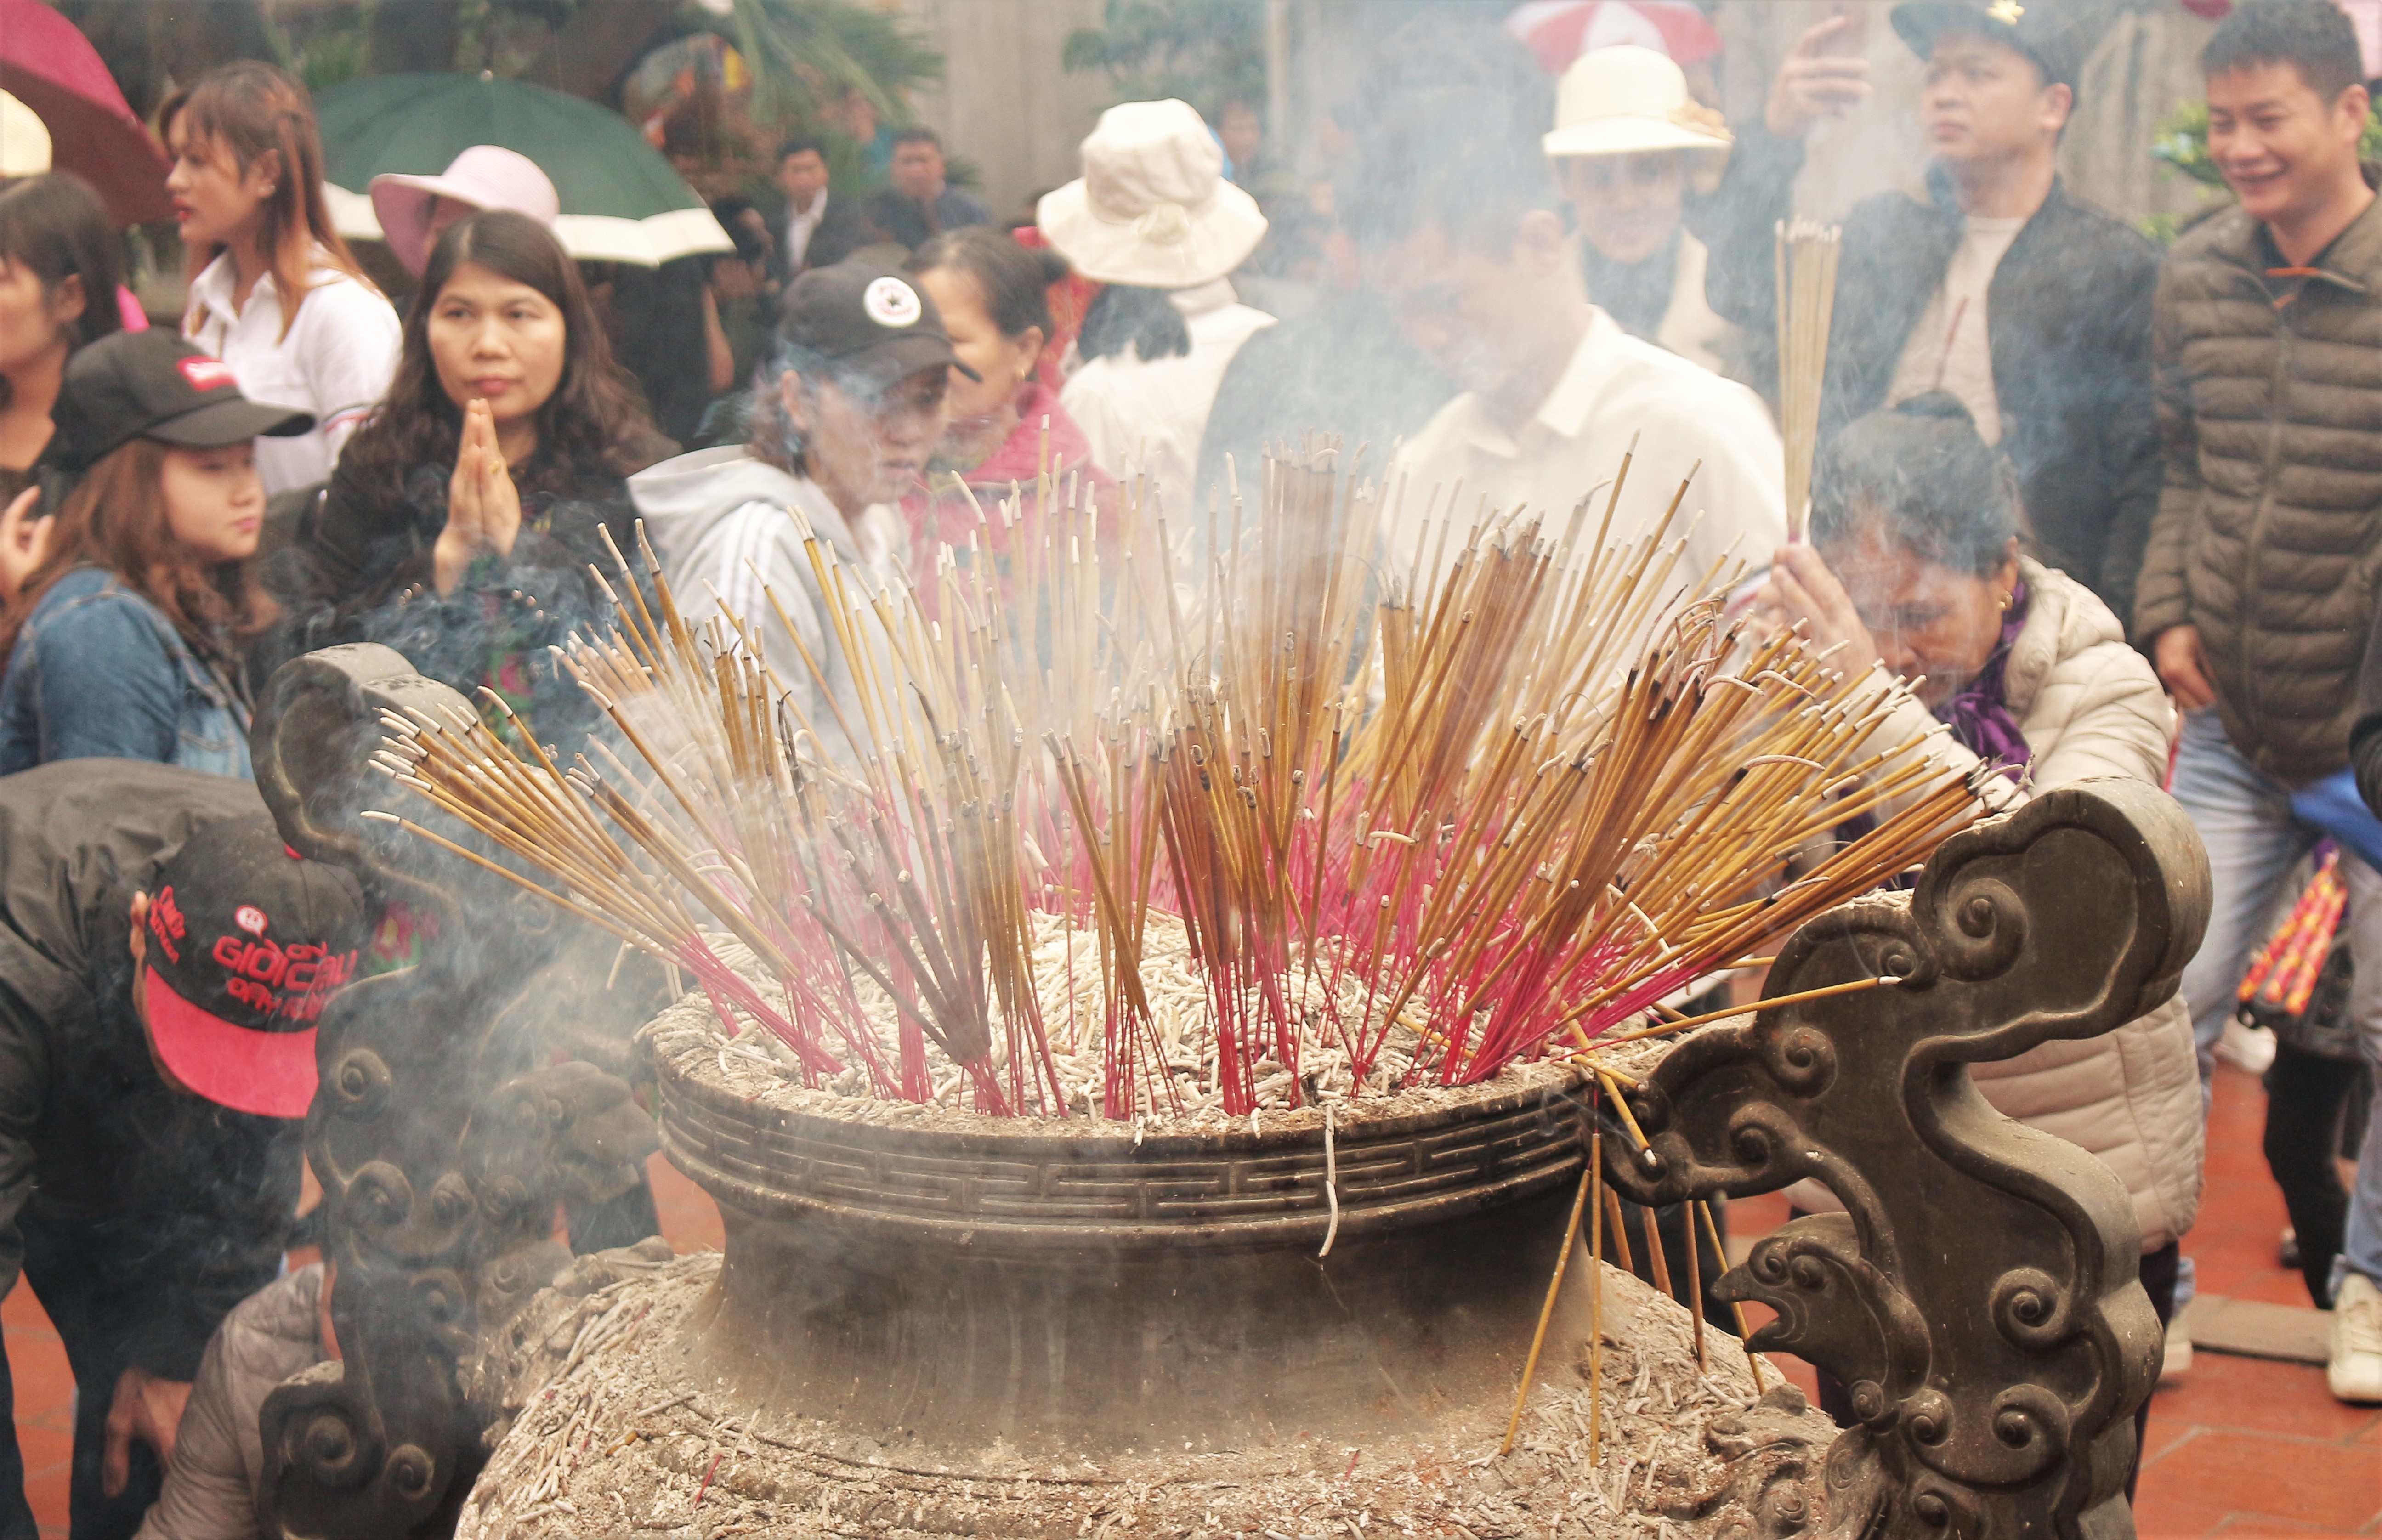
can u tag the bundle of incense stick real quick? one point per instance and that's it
(1807, 302)
(1491, 807)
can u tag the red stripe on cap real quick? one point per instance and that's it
(268, 1074)
(206, 373)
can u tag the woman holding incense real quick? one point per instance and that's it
(1006, 426)
(464, 514)
(1917, 570)
(123, 642)
(843, 420)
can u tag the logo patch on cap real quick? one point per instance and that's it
(891, 303)
(250, 918)
(205, 373)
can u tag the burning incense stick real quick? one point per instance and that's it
(1807, 301)
(1380, 834)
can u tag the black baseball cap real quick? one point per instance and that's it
(247, 942)
(153, 384)
(869, 321)
(2041, 30)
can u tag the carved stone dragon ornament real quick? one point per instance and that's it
(442, 1133)
(1978, 1296)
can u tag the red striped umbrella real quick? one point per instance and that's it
(1560, 31)
(53, 68)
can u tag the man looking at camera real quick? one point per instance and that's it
(162, 959)
(1995, 283)
(2257, 591)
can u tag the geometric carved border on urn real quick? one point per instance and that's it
(442, 1134)
(1978, 1296)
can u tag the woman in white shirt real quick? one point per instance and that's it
(277, 295)
(1153, 218)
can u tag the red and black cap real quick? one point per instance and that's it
(871, 322)
(153, 384)
(247, 941)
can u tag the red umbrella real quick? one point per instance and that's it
(1560, 31)
(54, 70)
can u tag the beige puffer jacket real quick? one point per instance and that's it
(2089, 705)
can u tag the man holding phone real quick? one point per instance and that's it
(1995, 283)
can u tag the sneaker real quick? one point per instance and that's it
(2246, 1048)
(2355, 1371)
(2178, 1361)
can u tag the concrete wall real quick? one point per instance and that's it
(1007, 104)
(1004, 102)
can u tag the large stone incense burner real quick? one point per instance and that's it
(1075, 1290)
(931, 1323)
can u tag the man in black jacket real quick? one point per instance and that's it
(815, 228)
(920, 204)
(163, 958)
(2033, 308)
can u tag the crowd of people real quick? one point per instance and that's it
(2118, 511)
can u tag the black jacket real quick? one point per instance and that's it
(2069, 316)
(176, 1209)
(1341, 368)
(362, 573)
(910, 223)
(842, 229)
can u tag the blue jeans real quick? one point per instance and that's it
(2244, 817)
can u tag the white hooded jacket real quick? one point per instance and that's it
(2089, 706)
(725, 524)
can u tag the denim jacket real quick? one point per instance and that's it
(99, 672)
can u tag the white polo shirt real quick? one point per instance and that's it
(1614, 385)
(336, 362)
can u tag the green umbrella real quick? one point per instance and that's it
(621, 200)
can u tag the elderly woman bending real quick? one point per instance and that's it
(1915, 570)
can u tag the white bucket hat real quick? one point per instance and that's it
(1152, 207)
(485, 176)
(1626, 100)
(24, 139)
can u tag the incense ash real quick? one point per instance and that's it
(1068, 989)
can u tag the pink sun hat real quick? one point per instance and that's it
(485, 176)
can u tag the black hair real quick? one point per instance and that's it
(56, 226)
(1922, 470)
(2313, 36)
(592, 424)
(796, 145)
(730, 211)
(918, 133)
(1015, 280)
(1143, 319)
(771, 431)
(1459, 161)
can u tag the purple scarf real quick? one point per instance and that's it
(1980, 715)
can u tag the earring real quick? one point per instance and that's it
(2003, 603)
